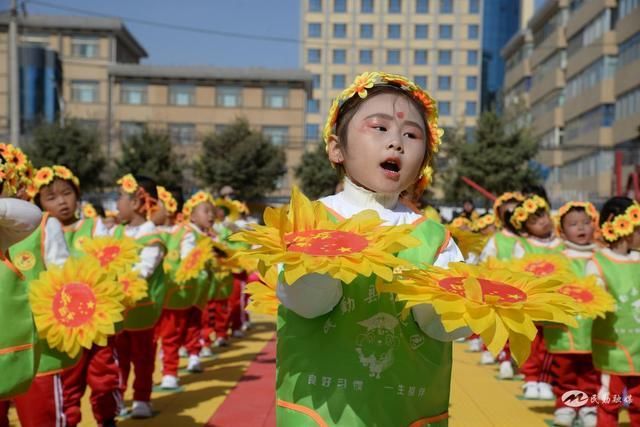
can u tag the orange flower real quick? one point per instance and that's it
(360, 85)
(530, 206)
(331, 120)
(633, 214)
(62, 172)
(608, 232)
(622, 226)
(44, 176)
(128, 183)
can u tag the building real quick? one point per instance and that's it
(579, 92)
(437, 43)
(103, 84)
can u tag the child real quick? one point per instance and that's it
(572, 368)
(135, 344)
(345, 356)
(615, 339)
(98, 367)
(531, 218)
(180, 320)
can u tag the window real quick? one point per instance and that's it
(229, 96)
(590, 76)
(338, 81)
(317, 79)
(85, 91)
(276, 97)
(182, 133)
(420, 81)
(473, 32)
(313, 106)
(474, 6)
(592, 120)
(314, 29)
(548, 103)
(625, 7)
(422, 6)
(340, 31)
(339, 56)
(393, 31)
(133, 93)
(444, 108)
(277, 135)
(366, 31)
(470, 108)
(472, 82)
(422, 31)
(130, 129)
(628, 104)
(393, 56)
(446, 6)
(549, 65)
(182, 94)
(366, 6)
(591, 32)
(315, 5)
(472, 57)
(366, 56)
(444, 57)
(312, 131)
(629, 50)
(445, 32)
(313, 56)
(444, 82)
(85, 47)
(339, 5)
(420, 57)
(395, 6)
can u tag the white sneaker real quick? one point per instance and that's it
(194, 364)
(237, 334)
(506, 370)
(588, 416)
(475, 345)
(246, 326)
(206, 352)
(182, 352)
(546, 391)
(487, 358)
(141, 409)
(221, 342)
(530, 390)
(564, 417)
(169, 382)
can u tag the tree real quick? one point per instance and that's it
(71, 145)
(150, 153)
(498, 160)
(243, 159)
(316, 175)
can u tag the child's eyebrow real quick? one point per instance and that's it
(388, 117)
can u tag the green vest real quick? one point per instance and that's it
(563, 339)
(28, 256)
(505, 244)
(19, 348)
(146, 312)
(616, 338)
(221, 286)
(533, 249)
(362, 364)
(75, 238)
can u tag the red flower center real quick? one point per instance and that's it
(326, 242)
(107, 255)
(540, 268)
(74, 305)
(504, 292)
(193, 258)
(577, 292)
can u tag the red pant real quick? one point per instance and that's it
(177, 328)
(218, 317)
(574, 372)
(137, 347)
(236, 304)
(98, 368)
(608, 412)
(537, 367)
(40, 406)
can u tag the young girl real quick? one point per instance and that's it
(531, 218)
(572, 368)
(345, 354)
(615, 339)
(98, 367)
(135, 344)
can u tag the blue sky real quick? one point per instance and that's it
(279, 18)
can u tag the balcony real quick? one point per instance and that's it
(516, 74)
(605, 46)
(601, 93)
(555, 41)
(548, 120)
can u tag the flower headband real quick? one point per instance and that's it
(167, 200)
(460, 222)
(368, 80)
(527, 208)
(130, 185)
(195, 200)
(621, 225)
(483, 222)
(230, 207)
(88, 211)
(16, 171)
(501, 200)
(589, 209)
(45, 176)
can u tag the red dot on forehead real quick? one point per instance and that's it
(400, 115)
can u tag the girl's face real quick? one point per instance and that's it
(539, 225)
(60, 200)
(386, 144)
(127, 206)
(577, 227)
(203, 215)
(160, 216)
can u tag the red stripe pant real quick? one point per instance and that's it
(98, 369)
(40, 406)
(537, 367)
(608, 412)
(177, 328)
(137, 348)
(574, 372)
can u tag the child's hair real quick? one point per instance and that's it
(613, 207)
(176, 192)
(536, 189)
(507, 222)
(148, 185)
(76, 190)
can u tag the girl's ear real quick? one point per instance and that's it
(136, 203)
(334, 150)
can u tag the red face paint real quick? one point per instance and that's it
(400, 115)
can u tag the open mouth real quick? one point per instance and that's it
(391, 165)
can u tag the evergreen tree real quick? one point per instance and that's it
(316, 175)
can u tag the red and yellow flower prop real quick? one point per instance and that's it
(133, 286)
(305, 240)
(539, 265)
(483, 222)
(167, 199)
(195, 262)
(115, 255)
(461, 223)
(262, 295)
(528, 207)
(497, 304)
(76, 305)
(467, 241)
(592, 300)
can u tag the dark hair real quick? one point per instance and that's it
(76, 190)
(148, 184)
(176, 192)
(507, 222)
(613, 207)
(536, 189)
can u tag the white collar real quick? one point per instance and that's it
(368, 199)
(580, 248)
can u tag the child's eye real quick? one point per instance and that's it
(380, 128)
(411, 135)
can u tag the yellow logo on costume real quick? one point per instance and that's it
(79, 243)
(173, 255)
(25, 261)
